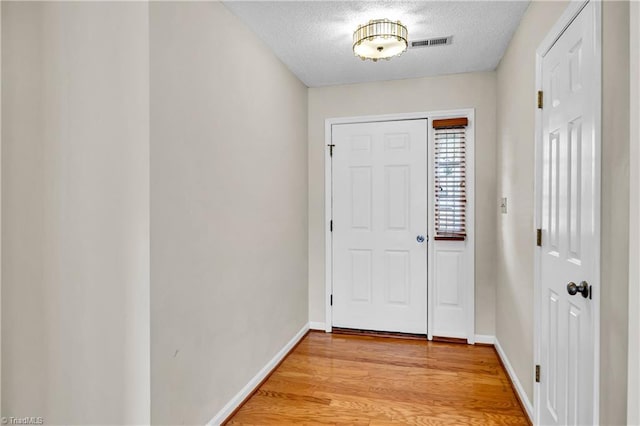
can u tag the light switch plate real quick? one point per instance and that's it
(503, 205)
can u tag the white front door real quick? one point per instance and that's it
(380, 226)
(569, 251)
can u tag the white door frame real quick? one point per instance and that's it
(328, 204)
(572, 11)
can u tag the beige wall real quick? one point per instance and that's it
(228, 208)
(615, 213)
(1, 210)
(515, 169)
(633, 407)
(75, 217)
(516, 115)
(413, 95)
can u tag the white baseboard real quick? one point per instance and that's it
(255, 381)
(314, 325)
(485, 339)
(512, 374)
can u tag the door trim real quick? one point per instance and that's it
(573, 10)
(328, 203)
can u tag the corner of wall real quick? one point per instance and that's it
(515, 123)
(614, 316)
(633, 408)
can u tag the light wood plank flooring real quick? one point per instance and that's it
(358, 380)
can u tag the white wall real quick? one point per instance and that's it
(413, 95)
(633, 406)
(516, 116)
(75, 212)
(228, 208)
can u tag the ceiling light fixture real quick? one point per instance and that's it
(380, 39)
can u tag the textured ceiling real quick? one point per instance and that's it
(313, 38)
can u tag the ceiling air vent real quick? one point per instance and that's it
(439, 41)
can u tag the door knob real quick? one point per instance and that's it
(584, 289)
(420, 239)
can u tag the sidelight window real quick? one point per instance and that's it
(450, 178)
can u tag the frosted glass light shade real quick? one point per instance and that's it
(380, 39)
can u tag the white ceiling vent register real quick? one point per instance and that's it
(438, 41)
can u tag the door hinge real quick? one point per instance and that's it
(331, 225)
(537, 374)
(331, 146)
(331, 300)
(539, 237)
(540, 99)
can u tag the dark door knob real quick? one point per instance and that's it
(584, 289)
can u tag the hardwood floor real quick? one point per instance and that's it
(363, 380)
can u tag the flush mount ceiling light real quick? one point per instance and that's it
(379, 39)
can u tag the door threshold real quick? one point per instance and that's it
(451, 340)
(374, 333)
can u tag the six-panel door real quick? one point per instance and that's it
(568, 252)
(379, 219)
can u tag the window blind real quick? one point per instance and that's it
(450, 179)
